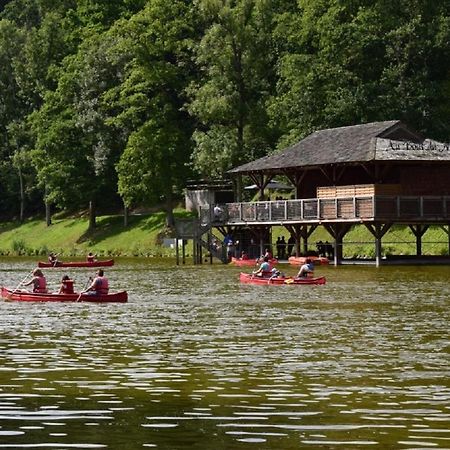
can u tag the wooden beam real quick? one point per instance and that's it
(326, 174)
(296, 179)
(378, 230)
(419, 231)
(338, 231)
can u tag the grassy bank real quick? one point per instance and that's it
(144, 237)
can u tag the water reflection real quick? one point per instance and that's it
(196, 360)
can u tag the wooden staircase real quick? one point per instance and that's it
(203, 240)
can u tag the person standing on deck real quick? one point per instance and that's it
(290, 245)
(282, 248)
(279, 249)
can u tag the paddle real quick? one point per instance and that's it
(55, 261)
(84, 288)
(23, 281)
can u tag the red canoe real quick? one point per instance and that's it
(103, 263)
(26, 296)
(251, 262)
(249, 278)
(300, 260)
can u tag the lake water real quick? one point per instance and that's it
(195, 360)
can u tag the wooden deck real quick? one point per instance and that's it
(353, 209)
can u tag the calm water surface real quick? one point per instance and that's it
(197, 361)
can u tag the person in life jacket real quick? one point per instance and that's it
(307, 269)
(38, 281)
(53, 259)
(91, 257)
(99, 286)
(264, 269)
(66, 285)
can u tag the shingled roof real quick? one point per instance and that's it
(342, 145)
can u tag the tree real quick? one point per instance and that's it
(153, 167)
(76, 149)
(357, 61)
(237, 63)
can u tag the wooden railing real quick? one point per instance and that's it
(348, 209)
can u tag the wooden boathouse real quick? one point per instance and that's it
(375, 174)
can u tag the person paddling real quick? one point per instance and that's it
(53, 259)
(264, 268)
(99, 286)
(306, 269)
(38, 281)
(91, 257)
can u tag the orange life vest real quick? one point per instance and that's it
(101, 285)
(40, 285)
(67, 287)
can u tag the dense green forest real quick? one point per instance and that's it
(113, 103)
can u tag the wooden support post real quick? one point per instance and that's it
(338, 232)
(306, 233)
(295, 231)
(199, 253)
(446, 229)
(194, 252)
(177, 251)
(378, 230)
(419, 231)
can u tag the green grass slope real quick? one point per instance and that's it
(70, 237)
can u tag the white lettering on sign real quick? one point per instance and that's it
(428, 150)
(424, 146)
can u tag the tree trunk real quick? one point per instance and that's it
(170, 218)
(22, 197)
(125, 215)
(48, 215)
(92, 215)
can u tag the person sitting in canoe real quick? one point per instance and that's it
(53, 259)
(91, 257)
(244, 255)
(267, 254)
(38, 281)
(275, 273)
(99, 285)
(306, 270)
(66, 285)
(264, 269)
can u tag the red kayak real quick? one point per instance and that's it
(103, 263)
(27, 296)
(252, 279)
(251, 262)
(300, 260)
